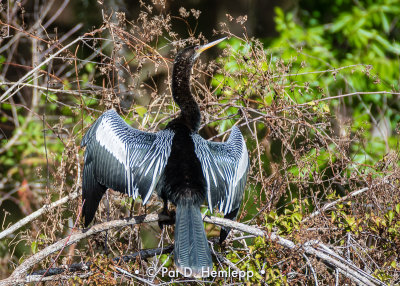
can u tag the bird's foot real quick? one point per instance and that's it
(170, 221)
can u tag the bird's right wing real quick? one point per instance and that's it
(120, 157)
(225, 166)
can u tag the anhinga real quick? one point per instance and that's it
(177, 162)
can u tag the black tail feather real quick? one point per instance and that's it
(192, 252)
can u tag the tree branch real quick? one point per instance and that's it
(37, 213)
(331, 204)
(74, 267)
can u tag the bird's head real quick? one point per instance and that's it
(189, 54)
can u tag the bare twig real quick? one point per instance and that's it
(144, 253)
(331, 204)
(319, 72)
(37, 278)
(312, 269)
(10, 91)
(344, 95)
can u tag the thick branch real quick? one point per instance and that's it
(37, 213)
(74, 267)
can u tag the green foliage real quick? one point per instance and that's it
(165, 260)
(30, 149)
(141, 110)
(287, 222)
(352, 35)
(2, 60)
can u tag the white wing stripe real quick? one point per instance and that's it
(243, 164)
(109, 140)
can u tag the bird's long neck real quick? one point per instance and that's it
(190, 111)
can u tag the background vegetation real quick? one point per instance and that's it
(314, 88)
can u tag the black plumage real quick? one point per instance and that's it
(177, 162)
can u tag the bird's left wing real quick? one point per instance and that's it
(120, 157)
(225, 166)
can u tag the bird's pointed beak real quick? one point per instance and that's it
(209, 45)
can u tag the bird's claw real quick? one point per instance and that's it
(170, 221)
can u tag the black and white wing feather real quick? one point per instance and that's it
(120, 157)
(225, 167)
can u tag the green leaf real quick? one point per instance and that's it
(385, 22)
(89, 67)
(333, 217)
(390, 216)
(342, 22)
(2, 60)
(141, 110)
(34, 245)
(165, 260)
(297, 217)
(325, 107)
